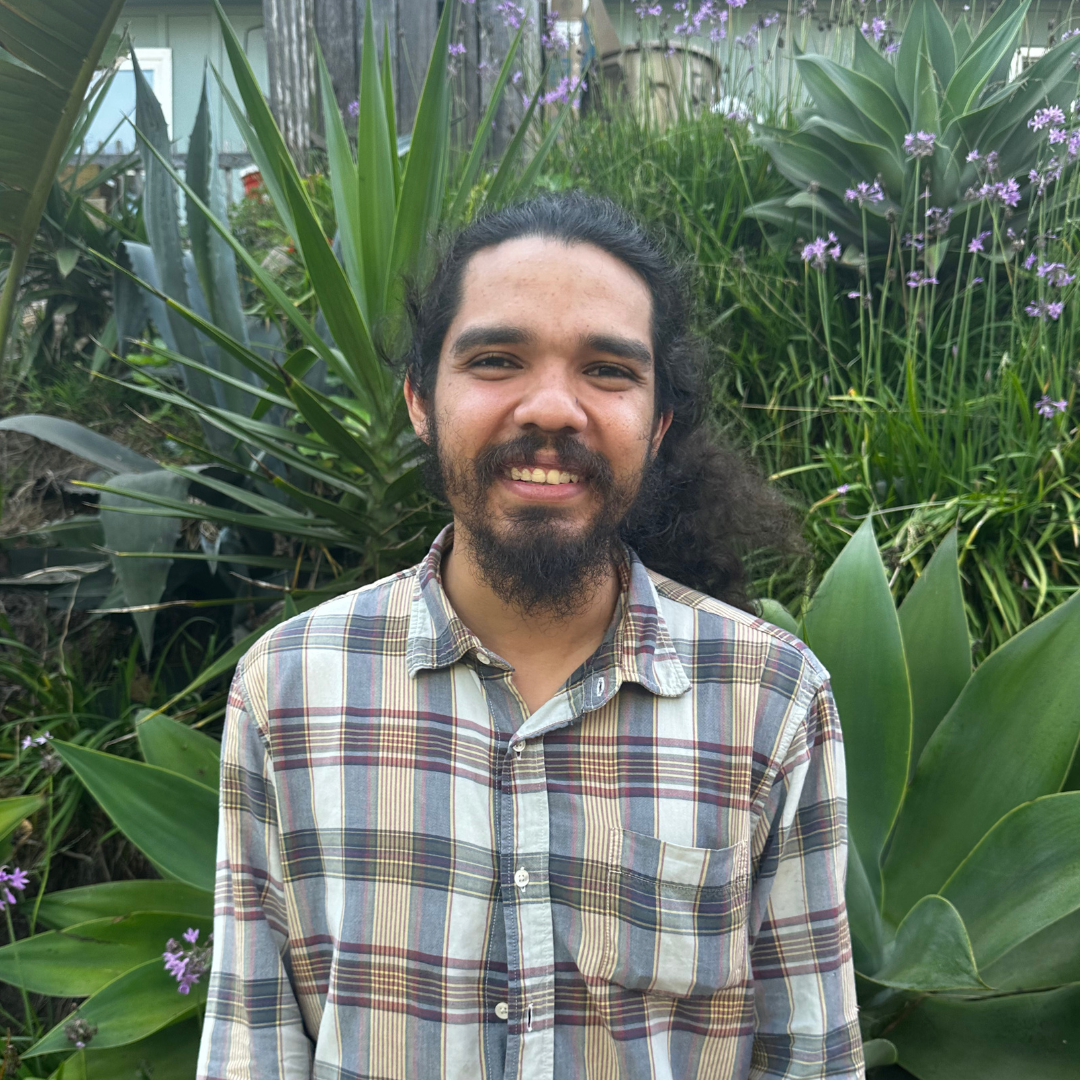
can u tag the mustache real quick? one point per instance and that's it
(573, 456)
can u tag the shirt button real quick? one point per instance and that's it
(502, 1010)
(521, 878)
(483, 657)
(518, 747)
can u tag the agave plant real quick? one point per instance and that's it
(938, 125)
(963, 888)
(331, 469)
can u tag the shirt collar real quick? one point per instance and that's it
(638, 645)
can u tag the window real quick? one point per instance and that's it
(1023, 58)
(110, 132)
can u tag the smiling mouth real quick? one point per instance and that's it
(543, 476)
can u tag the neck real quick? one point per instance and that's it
(512, 634)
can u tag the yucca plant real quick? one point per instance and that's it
(916, 132)
(963, 886)
(331, 470)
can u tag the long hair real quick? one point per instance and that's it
(704, 506)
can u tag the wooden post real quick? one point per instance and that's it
(290, 37)
(337, 26)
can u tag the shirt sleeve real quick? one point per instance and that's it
(253, 1029)
(806, 1017)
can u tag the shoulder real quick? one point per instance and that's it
(714, 626)
(371, 620)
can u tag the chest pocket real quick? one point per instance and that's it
(675, 917)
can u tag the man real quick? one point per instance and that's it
(529, 809)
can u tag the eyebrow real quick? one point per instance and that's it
(612, 344)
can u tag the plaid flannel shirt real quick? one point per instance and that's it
(419, 878)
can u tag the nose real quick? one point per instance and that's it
(549, 402)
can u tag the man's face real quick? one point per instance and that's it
(544, 407)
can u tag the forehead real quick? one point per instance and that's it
(549, 285)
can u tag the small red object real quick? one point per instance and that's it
(252, 183)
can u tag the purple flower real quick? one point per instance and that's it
(978, 241)
(14, 879)
(456, 48)
(1045, 117)
(1057, 135)
(354, 108)
(818, 252)
(916, 279)
(1047, 408)
(843, 489)
(552, 39)
(513, 15)
(1042, 310)
(648, 9)
(864, 193)
(854, 295)
(1042, 180)
(992, 161)
(79, 1032)
(1006, 192)
(187, 965)
(892, 47)
(976, 281)
(564, 92)
(919, 144)
(973, 156)
(1054, 274)
(1074, 145)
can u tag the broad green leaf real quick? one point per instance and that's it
(867, 159)
(423, 183)
(996, 40)
(169, 1054)
(375, 174)
(142, 580)
(867, 932)
(775, 612)
(1049, 958)
(853, 100)
(114, 899)
(81, 441)
(138, 1003)
(179, 748)
(853, 629)
(1018, 1037)
(924, 106)
(81, 959)
(931, 951)
(936, 644)
(337, 437)
(877, 1052)
(15, 810)
(1022, 876)
(50, 52)
(387, 73)
(804, 161)
(172, 820)
(1008, 739)
(869, 62)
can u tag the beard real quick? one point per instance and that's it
(534, 563)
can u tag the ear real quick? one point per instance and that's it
(418, 412)
(660, 429)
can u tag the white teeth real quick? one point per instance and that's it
(543, 476)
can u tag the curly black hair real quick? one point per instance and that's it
(704, 506)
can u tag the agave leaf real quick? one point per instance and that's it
(775, 612)
(115, 899)
(343, 184)
(804, 161)
(1048, 958)
(79, 440)
(1022, 876)
(172, 820)
(869, 62)
(375, 154)
(872, 158)
(853, 628)
(169, 1054)
(15, 810)
(867, 931)
(1009, 738)
(996, 41)
(924, 107)
(49, 56)
(931, 951)
(138, 1003)
(179, 748)
(423, 183)
(853, 100)
(934, 627)
(878, 1052)
(142, 580)
(993, 1038)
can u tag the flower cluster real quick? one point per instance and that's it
(818, 252)
(1043, 309)
(1047, 408)
(916, 279)
(552, 38)
(919, 144)
(864, 193)
(11, 879)
(875, 29)
(566, 90)
(188, 965)
(644, 10)
(513, 15)
(1048, 117)
(938, 220)
(1042, 180)
(456, 48)
(41, 740)
(79, 1032)
(1005, 192)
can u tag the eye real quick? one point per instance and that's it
(611, 372)
(492, 362)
